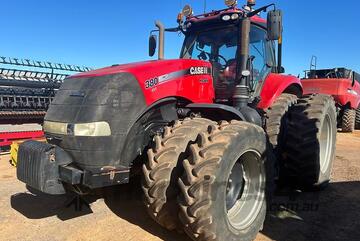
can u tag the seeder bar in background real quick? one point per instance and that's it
(27, 88)
(43, 64)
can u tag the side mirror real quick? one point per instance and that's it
(282, 70)
(353, 79)
(152, 45)
(274, 24)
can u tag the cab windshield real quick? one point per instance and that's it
(219, 46)
(216, 45)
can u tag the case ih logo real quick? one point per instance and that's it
(178, 74)
(200, 70)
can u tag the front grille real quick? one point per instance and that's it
(33, 156)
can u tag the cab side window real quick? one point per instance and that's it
(260, 52)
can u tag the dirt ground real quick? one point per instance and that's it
(333, 214)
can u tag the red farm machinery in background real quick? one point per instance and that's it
(341, 83)
(27, 88)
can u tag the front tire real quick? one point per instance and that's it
(348, 120)
(310, 142)
(223, 186)
(162, 171)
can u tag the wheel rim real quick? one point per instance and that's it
(326, 140)
(249, 201)
(235, 185)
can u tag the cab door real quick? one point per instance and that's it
(262, 55)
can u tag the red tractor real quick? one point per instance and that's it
(344, 85)
(204, 127)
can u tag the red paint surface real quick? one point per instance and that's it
(7, 138)
(274, 86)
(341, 89)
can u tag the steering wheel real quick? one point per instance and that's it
(207, 56)
(204, 55)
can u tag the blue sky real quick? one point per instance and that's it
(100, 33)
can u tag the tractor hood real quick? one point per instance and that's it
(147, 69)
(151, 74)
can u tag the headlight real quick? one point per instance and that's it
(55, 127)
(94, 129)
(234, 16)
(226, 17)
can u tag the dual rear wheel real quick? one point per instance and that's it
(220, 193)
(223, 186)
(310, 141)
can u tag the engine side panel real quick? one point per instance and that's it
(274, 86)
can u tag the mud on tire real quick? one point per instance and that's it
(162, 170)
(348, 120)
(205, 185)
(310, 142)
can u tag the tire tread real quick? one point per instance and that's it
(159, 182)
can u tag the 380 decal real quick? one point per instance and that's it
(151, 83)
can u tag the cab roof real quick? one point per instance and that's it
(217, 15)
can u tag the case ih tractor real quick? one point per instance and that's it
(204, 127)
(344, 85)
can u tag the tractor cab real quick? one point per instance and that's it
(238, 43)
(214, 37)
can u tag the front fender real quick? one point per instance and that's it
(275, 85)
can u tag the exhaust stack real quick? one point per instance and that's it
(161, 28)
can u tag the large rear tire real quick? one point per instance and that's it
(348, 120)
(162, 171)
(275, 118)
(310, 142)
(223, 186)
(357, 119)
